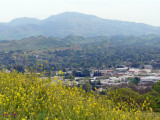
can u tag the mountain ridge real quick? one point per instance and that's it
(43, 42)
(72, 23)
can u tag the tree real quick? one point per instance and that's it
(156, 87)
(19, 68)
(135, 80)
(87, 87)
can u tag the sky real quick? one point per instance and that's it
(141, 11)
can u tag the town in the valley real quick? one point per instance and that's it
(143, 78)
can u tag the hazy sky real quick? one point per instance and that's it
(143, 11)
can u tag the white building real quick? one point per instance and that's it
(148, 67)
(149, 80)
(134, 71)
(122, 69)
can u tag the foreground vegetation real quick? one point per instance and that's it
(25, 97)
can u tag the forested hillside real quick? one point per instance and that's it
(77, 51)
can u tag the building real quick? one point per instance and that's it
(149, 80)
(148, 67)
(122, 69)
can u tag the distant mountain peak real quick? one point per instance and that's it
(69, 15)
(72, 23)
(23, 21)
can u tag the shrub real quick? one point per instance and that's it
(132, 99)
(27, 97)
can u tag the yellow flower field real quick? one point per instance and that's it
(26, 97)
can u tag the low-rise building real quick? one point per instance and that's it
(124, 69)
(148, 80)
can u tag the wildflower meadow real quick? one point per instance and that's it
(28, 97)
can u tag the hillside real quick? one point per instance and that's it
(43, 42)
(86, 52)
(72, 23)
(24, 97)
